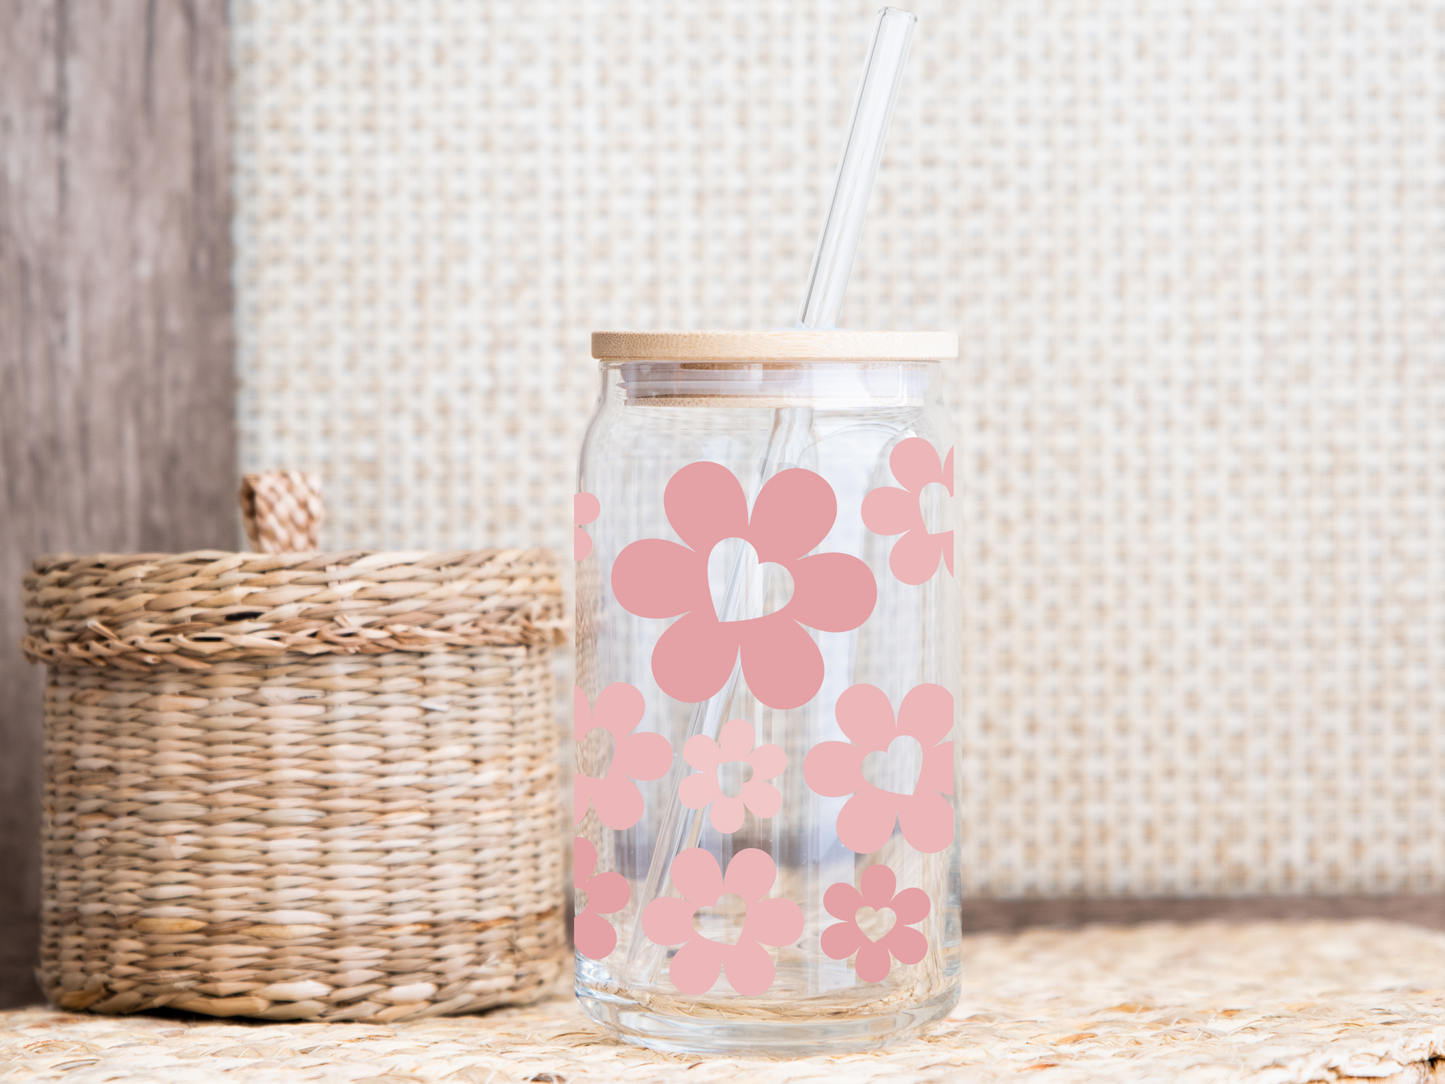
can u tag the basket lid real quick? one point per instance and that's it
(192, 610)
(783, 345)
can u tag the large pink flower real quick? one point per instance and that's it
(842, 939)
(889, 510)
(607, 893)
(634, 756)
(694, 657)
(708, 757)
(585, 508)
(749, 967)
(835, 768)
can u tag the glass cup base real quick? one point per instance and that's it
(635, 1023)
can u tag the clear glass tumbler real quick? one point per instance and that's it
(767, 702)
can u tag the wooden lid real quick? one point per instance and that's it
(774, 345)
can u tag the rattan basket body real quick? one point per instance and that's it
(299, 786)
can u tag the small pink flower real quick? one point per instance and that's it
(707, 756)
(749, 967)
(905, 944)
(888, 510)
(607, 893)
(694, 657)
(634, 756)
(585, 509)
(835, 768)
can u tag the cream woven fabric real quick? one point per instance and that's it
(1257, 1003)
(1196, 254)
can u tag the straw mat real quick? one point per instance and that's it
(1264, 1003)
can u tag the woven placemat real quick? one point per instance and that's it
(1268, 1003)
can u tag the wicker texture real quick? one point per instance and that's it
(281, 511)
(1264, 1003)
(301, 786)
(193, 610)
(1195, 254)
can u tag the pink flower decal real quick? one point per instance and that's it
(903, 943)
(835, 768)
(708, 757)
(634, 756)
(749, 967)
(694, 657)
(607, 893)
(585, 509)
(889, 510)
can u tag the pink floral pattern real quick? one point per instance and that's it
(904, 944)
(835, 768)
(749, 966)
(889, 510)
(607, 893)
(694, 657)
(585, 509)
(702, 787)
(634, 756)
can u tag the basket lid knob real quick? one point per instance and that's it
(282, 511)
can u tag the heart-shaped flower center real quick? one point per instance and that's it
(743, 588)
(731, 775)
(723, 921)
(875, 924)
(933, 500)
(896, 770)
(594, 752)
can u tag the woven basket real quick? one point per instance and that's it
(300, 786)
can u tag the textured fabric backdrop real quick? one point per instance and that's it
(1196, 254)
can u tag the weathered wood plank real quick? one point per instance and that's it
(116, 385)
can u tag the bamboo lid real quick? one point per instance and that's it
(774, 345)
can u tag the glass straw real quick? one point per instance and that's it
(792, 426)
(872, 112)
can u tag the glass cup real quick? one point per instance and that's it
(768, 682)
